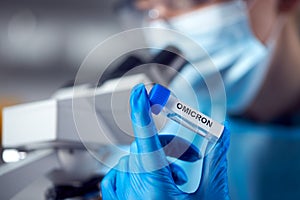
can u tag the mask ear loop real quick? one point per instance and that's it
(272, 41)
(281, 21)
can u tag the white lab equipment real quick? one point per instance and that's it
(55, 147)
(48, 132)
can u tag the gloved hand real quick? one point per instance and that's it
(146, 173)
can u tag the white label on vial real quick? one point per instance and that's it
(197, 118)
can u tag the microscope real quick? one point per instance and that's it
(50, 143)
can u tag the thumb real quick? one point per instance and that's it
(177, 147)
(178, 174)
(149, 149)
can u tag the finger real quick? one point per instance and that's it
(122, 177)
(135, 165)
(180, 148)
(142, 122)
(148, 144)
(108, 186)
(179, 176)
(215, 168)
(133, 148)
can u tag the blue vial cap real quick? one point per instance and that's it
(158, 96)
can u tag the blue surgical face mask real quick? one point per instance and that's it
(223, 31)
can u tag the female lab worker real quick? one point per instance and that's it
(255, 47)
(268, 19)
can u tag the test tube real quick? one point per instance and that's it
(164, 102)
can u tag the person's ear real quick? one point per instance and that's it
(286, 6)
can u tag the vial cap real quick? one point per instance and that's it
(158, 97)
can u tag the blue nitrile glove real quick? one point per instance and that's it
(146, 173)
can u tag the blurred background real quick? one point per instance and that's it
(43, 43)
